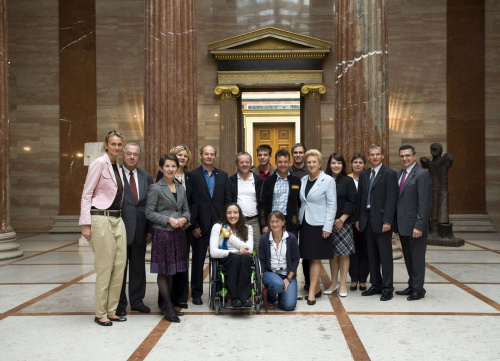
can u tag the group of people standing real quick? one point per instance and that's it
(281, 213)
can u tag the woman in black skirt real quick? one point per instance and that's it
(316, 215)
(167, 208)
(343, 242)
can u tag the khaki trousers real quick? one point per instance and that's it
(256, 233)
(108, 240)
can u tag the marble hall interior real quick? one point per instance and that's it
(336, 75)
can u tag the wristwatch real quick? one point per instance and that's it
(289, 279)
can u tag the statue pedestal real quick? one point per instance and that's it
(444, 237)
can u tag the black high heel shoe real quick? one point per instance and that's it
(179, 313)
(174, 319)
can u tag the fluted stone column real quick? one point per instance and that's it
(311, 131)
(8, 247)
(169, 90)
(362, 99)
(228, 126)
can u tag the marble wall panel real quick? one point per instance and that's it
(492, 111)
(34, 117)
(120, 69)
(417, 75)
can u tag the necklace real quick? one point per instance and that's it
(312, 179)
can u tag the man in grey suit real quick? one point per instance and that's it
(375, 212)
(139, 230)
(412, 219)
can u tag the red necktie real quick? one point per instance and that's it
(403, 177)
(133, 187)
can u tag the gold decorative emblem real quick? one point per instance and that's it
(294, 220)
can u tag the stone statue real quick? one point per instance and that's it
(441, 228)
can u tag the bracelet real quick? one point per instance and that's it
(340, 219)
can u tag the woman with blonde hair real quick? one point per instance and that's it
(103, 227)
(316, 215)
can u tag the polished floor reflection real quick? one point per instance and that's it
(46, 313)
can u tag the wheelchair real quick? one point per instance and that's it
(218, 288)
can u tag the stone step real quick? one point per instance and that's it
(472, 223)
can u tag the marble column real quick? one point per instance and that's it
(169, 90)
(362, 99)
(228, 126)
(311, 132)
(8, 247)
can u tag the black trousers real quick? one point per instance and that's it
(358, 261)
(379, 247)
(238, 270)
(199, 248)
(414, 252)
(137, 276)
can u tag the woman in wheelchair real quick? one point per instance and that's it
(279, 257)
(231, 242)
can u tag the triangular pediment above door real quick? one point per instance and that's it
(268, 43)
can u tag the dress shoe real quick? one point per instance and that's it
(179, 313)
(181, 305)
(101, 323)
(341, 294)
(372, 291)
(362, 288)
(236, 302)
(197, 301)
(386, 296)
(121, 312)
(247, 303)
(317, 295)
(311, 303)
(408, 291)
(415, 296)
(118, 319)
(354, 288)
(142, 308)
(328, 292)
(174, 319)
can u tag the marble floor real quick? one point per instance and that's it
(46, 313)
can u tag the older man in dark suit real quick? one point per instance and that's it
(139, 231)
(375, 211)
(210, 194)
(412, 219)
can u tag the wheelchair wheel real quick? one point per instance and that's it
(217, 305)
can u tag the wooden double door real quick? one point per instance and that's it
(276, 135)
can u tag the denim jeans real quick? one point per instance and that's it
(275, 286)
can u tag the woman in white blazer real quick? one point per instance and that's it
(316, 215)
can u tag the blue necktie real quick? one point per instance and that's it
(372, 178)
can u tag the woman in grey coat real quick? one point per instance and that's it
(167, 208)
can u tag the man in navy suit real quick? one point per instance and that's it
(210, 194)
(412, 219)
(375, 211)
(139, 230)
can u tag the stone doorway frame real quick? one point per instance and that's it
(269, 58)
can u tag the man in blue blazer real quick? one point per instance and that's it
(375, 211)
(412, 219)
(139, 230)
(210, 193)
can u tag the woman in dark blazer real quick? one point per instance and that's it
(358, 261)
(279, 258)
(343, 242)
(167, 208)
(180, 289)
